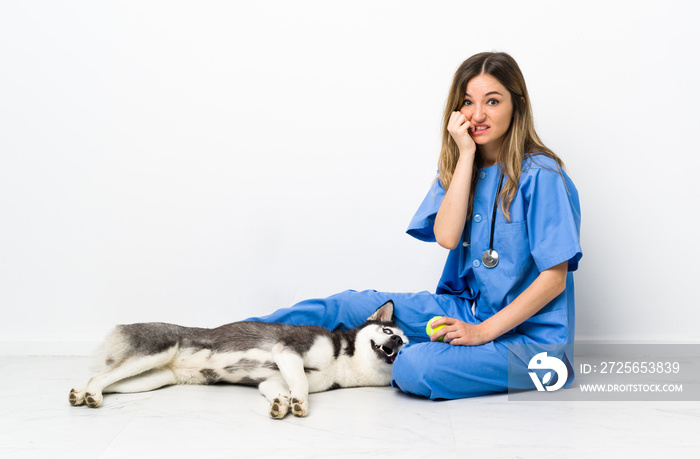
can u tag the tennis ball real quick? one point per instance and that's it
(429, 327)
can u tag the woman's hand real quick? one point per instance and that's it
(458, 333)
(459, 126)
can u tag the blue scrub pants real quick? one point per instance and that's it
(434, 370)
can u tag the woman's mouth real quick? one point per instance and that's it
(480, 129)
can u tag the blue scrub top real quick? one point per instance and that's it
(543, 231)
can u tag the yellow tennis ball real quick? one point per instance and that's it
(429, 327)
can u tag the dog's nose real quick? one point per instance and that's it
(396, 340)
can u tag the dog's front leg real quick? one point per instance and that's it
(291, 366)
(276, 392)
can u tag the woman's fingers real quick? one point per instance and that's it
(458, 124)
(459, 128)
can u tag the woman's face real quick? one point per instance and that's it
(489, 108)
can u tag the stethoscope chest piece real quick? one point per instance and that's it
(490, 258)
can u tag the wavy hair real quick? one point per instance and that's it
(521, 139)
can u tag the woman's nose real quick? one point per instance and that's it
(479, 114)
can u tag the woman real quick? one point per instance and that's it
(506, 292)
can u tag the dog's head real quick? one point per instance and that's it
(380, 339)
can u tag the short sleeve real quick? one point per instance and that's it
(421, 226)
(553, 218)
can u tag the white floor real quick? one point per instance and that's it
(36, 421)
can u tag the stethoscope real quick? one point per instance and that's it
(490, 258)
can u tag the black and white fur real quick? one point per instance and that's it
(285, 362)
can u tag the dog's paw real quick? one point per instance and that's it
(300, 408)
(93, 400)
(76, 397)
(279, 407)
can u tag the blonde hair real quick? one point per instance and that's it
(520, 140)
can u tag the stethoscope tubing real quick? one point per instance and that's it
(495, 209)
(490, 257)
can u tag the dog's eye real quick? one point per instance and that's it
(388, 331)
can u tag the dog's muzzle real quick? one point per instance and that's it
(389, 350)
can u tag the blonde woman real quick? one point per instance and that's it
(510, 217)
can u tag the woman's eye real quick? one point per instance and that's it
(493, 102)
(467, 102)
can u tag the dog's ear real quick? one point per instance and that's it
(385, 313)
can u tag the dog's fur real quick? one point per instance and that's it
(285, 362)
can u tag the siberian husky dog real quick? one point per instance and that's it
(285, 362)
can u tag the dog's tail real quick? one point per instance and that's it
(113, 351)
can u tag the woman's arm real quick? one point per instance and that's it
(452, 215)
(548, 285)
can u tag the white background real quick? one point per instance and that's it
(202, 162)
